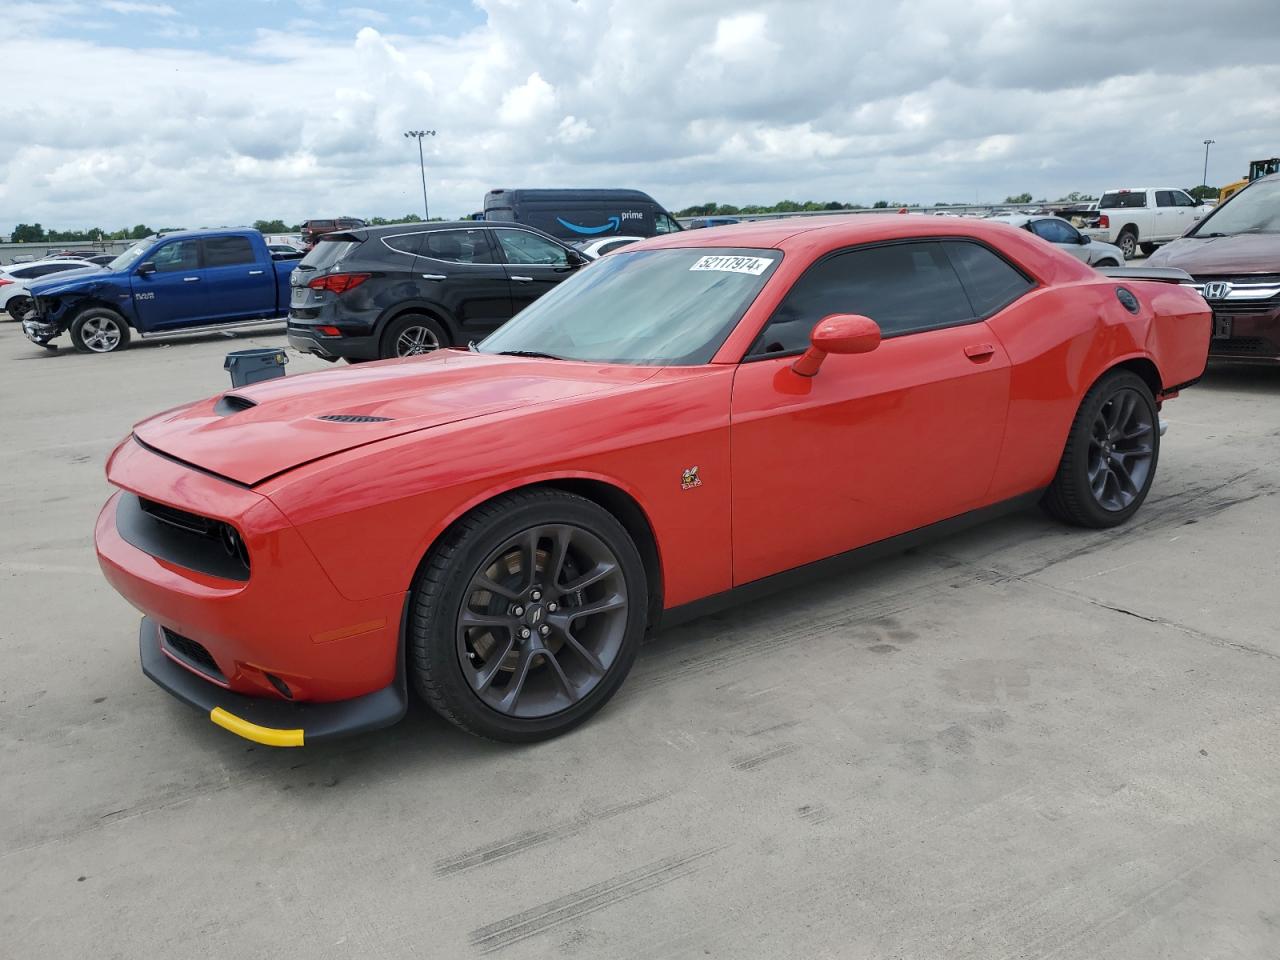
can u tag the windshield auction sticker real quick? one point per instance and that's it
(752, 265)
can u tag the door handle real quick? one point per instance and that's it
(255, 273)
(523, 279)
(434, 276)
(190, 279)
(979, 352)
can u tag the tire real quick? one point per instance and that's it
(411, 335)
(486, 677)
(356, 359)
(1111, 454)
(1108, 262)
(1128, 243)
(18, 306)
(99, 330)
(1148, 248)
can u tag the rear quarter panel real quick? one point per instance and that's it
(1061, 339)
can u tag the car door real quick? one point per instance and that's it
(534, 264)
(175, 293)
(238, 284)
(459, 269)
(1189, 212)
(875, 444)
(1062, 235)
(1166, 218)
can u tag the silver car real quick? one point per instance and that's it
(1096, 253)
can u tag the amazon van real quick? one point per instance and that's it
(582, 214)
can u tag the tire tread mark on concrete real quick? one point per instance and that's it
(518, 843)
(529, 923)
(750, 761)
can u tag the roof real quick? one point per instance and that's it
(846, 229)
(565, 193)
(205, 232)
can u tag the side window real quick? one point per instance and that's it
(1055, 231)
(406, 243)
(1182, 200)
(456, 246)
(227, 251)
(520, 247)
(176, 256)
(1164, 198)
(25, 273)
(904, 287)
(663, 223)
(991, 281)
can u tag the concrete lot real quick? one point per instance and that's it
(1024, 741)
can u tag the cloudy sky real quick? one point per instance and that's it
(211, 112)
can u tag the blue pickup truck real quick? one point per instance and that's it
(169, 283)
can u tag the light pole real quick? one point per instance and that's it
(422, 164)
(1204, 180)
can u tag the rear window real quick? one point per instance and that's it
(1126, 199)
(326, 253)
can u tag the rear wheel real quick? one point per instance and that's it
(527, 616)
(411, 335)
(99, 330)
(18, 307)
(1128, 244)
(1110, 458)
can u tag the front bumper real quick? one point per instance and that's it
(40, 332)
(275, 723)
(1254, 333)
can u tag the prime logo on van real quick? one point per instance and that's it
(613, 224)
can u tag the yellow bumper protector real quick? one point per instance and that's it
(270, 736)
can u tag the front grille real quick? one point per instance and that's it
(182, 537)
(1238, 278)
(1247, 345)
(1244, 308)
(192, 654)
(352, 418)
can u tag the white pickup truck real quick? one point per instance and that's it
(1144, 217)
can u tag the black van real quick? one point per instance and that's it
(582, 214)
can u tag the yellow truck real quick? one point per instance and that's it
(1257, 168)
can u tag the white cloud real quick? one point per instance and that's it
(727, 100)
(126, 7)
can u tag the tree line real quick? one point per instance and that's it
(35, 233)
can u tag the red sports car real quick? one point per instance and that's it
(696, 417)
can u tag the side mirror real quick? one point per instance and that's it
(577, 258)
(1085, 238)
(146, 268)
(838, 333)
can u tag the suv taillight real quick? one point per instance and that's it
(1104, 221)
(339, 282)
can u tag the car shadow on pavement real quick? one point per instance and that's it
(1241, 378)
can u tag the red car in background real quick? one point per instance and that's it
(313, 230)
(689, 420)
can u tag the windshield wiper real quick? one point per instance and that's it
(1207, 235)
(528, 353)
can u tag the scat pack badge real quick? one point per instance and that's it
(690, 479)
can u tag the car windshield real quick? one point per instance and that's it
(669, 307)
(1255, 209)
(130, 256)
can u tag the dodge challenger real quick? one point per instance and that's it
(695, 419)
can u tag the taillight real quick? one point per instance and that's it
(339, 282)
(1104, 221)
(4, 282)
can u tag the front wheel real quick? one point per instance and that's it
(18, 307)
(1110, 458)
(1108, 262)
(1148, 248)
(99, 330)
(527, 616)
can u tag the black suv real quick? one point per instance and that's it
(395, 291)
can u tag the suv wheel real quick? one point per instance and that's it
(411, 335)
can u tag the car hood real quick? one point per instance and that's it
(253, 433)
(57, 283)
(1242, 253)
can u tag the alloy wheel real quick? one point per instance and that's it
(414, 341)
(1121, 448)
(100, 334)
(542, 621)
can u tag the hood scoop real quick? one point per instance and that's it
(352, 418)
(230, 403)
